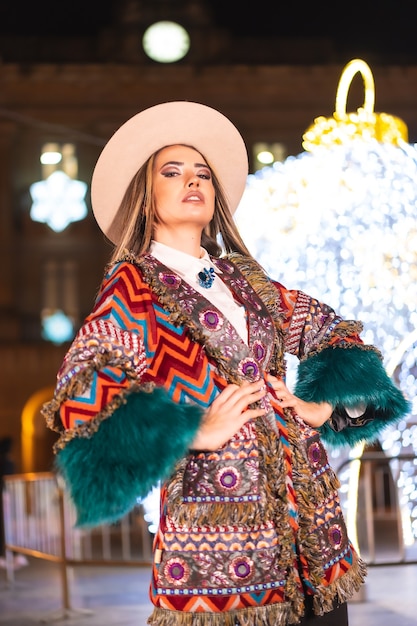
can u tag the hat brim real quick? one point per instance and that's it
(170, 123)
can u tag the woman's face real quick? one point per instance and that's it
(183, 191)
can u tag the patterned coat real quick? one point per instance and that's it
(248, 530)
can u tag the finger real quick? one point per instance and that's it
(247, 389)
(235, 398)
(237, 405)
(254, 394)
(251, 414)
(225, 395)
(277, 384)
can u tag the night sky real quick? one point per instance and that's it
(386, 26)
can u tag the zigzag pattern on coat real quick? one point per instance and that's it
(126, 319)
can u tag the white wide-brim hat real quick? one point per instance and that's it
(178, 122)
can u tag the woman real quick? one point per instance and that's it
(178, 375)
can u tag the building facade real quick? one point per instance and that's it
(80, 103)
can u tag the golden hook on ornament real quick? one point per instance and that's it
(363, 124)
(357, 66)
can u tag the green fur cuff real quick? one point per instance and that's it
(138, 445)
(347, 377)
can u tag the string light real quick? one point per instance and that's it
(339, 222)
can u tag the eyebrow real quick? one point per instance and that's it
(182, 163)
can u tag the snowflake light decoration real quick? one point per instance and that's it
(58, 201)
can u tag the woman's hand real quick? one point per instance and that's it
(315, 414)
(227, 414)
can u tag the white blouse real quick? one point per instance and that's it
(188, 267)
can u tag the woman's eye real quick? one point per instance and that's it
(169, 173)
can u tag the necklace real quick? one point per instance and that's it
(206, 277)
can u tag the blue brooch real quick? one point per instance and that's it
(206, 277)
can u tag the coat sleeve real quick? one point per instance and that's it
(119, 432)
(353, 380)
(336, 367)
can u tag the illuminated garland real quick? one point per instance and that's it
(339, 222)
(365, 124)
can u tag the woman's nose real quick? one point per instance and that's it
(194, 181)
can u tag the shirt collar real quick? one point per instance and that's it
(184, 264)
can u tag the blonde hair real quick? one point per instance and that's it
(137, 216)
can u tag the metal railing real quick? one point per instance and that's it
(382, 504)
(39, 521)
